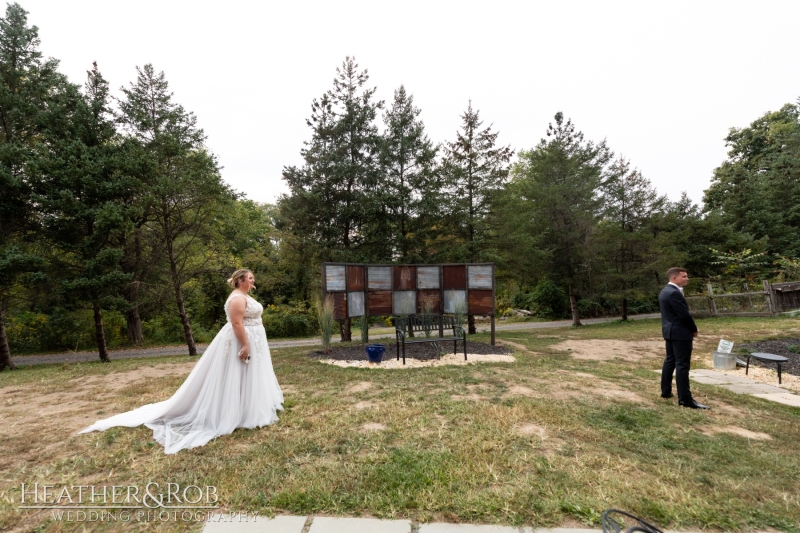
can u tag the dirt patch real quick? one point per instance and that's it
(55, 416)
(373, 426)
(359, 387)
(424, 351)
(531, 429)
(735, 430)
(606, 349)
(365, 405)
(450, 359)
(519, 390)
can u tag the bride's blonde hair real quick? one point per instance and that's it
(238, 276)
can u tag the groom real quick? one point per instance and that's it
(678, 329)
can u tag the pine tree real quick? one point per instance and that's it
(627, 244)
(26, 85)
(558, 185)
(182, 178)
(411, 186)
(79, 196)
(475, 170)
(335, 207)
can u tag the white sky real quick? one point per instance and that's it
(661, 81)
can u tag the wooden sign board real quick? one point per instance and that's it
(395, 290)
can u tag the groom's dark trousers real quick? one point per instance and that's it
(677, 328)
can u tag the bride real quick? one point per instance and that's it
(231, 386)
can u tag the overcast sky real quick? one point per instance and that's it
(661, 81)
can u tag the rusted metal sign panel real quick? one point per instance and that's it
(428, 277)
(480, 276)
(380, 302)
(455, 301)
(355, 278)
(455, 277)
(429, 302)
(380, 278)
(334, 277)
(339, 305)
(405, 278)
(481, 302)
(405, 302)
(355, 303)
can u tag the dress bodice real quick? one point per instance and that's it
(252, 311)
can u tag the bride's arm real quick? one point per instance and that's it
(236, 310)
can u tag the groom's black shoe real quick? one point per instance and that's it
(691, 404)
(668, 396)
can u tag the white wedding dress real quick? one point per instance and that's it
(220, 394)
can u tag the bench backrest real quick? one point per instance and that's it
(425, 323)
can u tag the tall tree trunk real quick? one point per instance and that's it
(624, 308)
(347, 333)
(5, 351)
(132, 318)
(176, 285)
(471, 324)
(134, 322)
(100, 333)
(573, 305)
(187, 328)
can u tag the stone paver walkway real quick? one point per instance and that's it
(744, 385)
(326, 524)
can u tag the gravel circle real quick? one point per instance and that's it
(424, 351)
(777, 347)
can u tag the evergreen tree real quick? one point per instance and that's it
(27, 83)
(79, 195)
(475, 170)
(756, 189)
(411, 185)
(335, 206)
(183, 180)
(558, 186)
(627, 245)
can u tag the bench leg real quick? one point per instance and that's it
(465, 348)
(779, 373)
(404, 352)
(747, 366)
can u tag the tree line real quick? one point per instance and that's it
(114, 206)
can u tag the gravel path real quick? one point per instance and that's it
(78, 357)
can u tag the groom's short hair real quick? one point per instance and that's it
(674, 271)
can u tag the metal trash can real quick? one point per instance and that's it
(724, 361)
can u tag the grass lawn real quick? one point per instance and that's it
(553, 439)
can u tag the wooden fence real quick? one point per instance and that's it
(772, 299)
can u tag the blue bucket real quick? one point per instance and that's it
(375, 352)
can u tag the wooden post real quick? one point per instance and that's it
(768, 295)
(494, 307)
(366, 302)
(711, 303)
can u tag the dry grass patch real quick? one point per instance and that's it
(735, 430)
(607, 350)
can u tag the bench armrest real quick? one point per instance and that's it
(458, 330)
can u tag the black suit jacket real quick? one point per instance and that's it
(677, 323)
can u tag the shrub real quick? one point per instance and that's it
(295, 319)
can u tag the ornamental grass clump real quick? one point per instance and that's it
(326, 322)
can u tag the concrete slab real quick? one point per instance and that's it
(781, 397)
(279, 524)
(327, 524)
(755, 388)
(566, 530)
(467, 528)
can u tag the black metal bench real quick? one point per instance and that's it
(427, 325)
